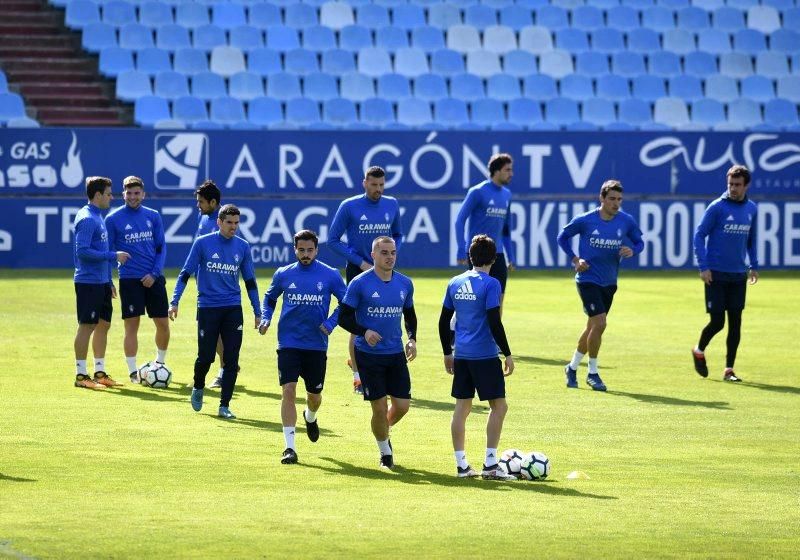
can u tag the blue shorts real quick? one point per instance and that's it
(596, 299)
(485, 376)
(93, 302)
(726, 292)
(294, 363)
(383, 374)
(136, 299)
(499, 270)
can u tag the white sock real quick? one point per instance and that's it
(309, 415)
(288, 436)
(698, 351)
(461, 459)
(161, 355)
(576, 360)
(356, 377)
(384, 447)
(131, 363)
(80, 367)
(593, 365)
(99, 364)
(491, 456)
(221, 371)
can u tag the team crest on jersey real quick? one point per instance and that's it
(319, 286)
(619, 233)
(149, 223)
(130, 308)
(236, 257)
(402, 295)
(386, 216)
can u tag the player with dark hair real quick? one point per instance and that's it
(364, 218)
(725, 237)
(93, 287)
(208, 201)
(603, 234)
(139, 231)
(372, 307)
(217, 259)
(474, 297)
(303, 331)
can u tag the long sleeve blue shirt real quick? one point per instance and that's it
(363, 220)
(307, 291)
(600, 242)
(217, 262)
(93, 259)
(730, 230)
(488, 207)
(139, 232)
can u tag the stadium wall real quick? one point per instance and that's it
(284, 181)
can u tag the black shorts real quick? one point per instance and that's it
(136, 299)
(383, 374)
(499, 270)
(484, 375)
(93, 302)
(351, 271)
(726, 292)
(294, 363)
(596, 299)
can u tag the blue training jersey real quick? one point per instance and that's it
(379, 307)
(730, 227)
(206, 223)
(93, 259)
(363, 220)
(488, 207)
(600, 242)
(217, 262)
(306, 293)
(139, 232)
(471, 294)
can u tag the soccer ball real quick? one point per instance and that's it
(511, 461)
(155, 375)
(535, 466)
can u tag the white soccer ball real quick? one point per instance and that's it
(155, 375)
(535, 466)
(511, 461)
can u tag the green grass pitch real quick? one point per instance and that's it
(679, 466)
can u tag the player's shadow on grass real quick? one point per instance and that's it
(164, 395)
(272, 426)
(444, 406)
(10, 478)
(672, 401)
(546, 362)
(766, 387)
(423, 477)
(275, 396)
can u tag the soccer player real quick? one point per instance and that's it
(218, 259)
(603, 233)
(725, 236)
(138, 230)
(373, 304)
(303, 331)
(474, 297)
(93, 287)
(363, 218)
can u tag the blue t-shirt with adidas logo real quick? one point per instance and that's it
(600, 242)
(363, 219)
(139, 232)
(730, 227)
(471, 294)
(306, 293)
(379, 307)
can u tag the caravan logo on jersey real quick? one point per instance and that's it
(180, 161)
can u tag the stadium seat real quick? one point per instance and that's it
(301, 62)
(664, 63)
(282, 38)
(714, 41)
(693, 18)
(302, 112)
(499, 39)
(171, 85)
(643, 41)
(172, 37)
(672, 112)
(451, 112)
(338, 62)
(758, 88)
(411, 62)
(635, 111)
(722, 88)
(648, 87)
(591, 64)
(467, 87)
(132, 84)
(535, 39)
(358, 87)
(227, 110)
(572, 40)
(118, 13)
(487, 112)
(764, 18)
(463, 38)
(784, 41)
(444, 15)
(728, 19)
(742, 4)
(772, 64)
(628, 64)
(607, 41)
(516, 17)
(622, 18)
(319, 86)
(791, 19)
(192, 15)
(539, 87)
(243, 125)
(206, 124)
(22, 122)
(552, 17)
(780, 113)
(613, 87)
(744, 113)
(98, 36)
(152, 61)
(556, 63)
(135, 36)
(789, 88)
(114, 60)
(227, 16)
(483, 63)
(283, 86)
(708, 112)
(264, 62)
(377, 111)
(207, 37)
(480, 16)
(680, 41)
(430, 87)
(688, 88)
(427, 38)
(750, 41)
(525, 112)
(393, 87)
(336, 15)
(374, 61)
(227, 61)
(3, 82)
(700, 64)
(246, 38)
(189, 110)
(561, 112)
(372, 16)
(80, 13)
(391, 38)
(265, 111)
(245, 86)
(147, 110)
(600, 112)
(447, 62)
(587, 18)
(155, 14)
(576, 87)
(208, 85)
(300, 15)
(503, 87)
(658, 18)
(408, 16)
(264, 16)
(413, 112)
(354, 38)
(519, 63)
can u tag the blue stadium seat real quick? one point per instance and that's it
(779, 4)
(135, 36)
(607, 41)
(132, 84)
(391, 38)
(171, 85)
(680, 41)
(208, 85)
(3, 82)
(207, 37)
(147, 110)
(700, 64)
(688, 88)
(80, 13)
(228, 16)
(444, 15)
(245, 86)
(336, 15)
(114, 60)
(192, 15)
(319, 38)
(265, 111)
(155, 14)
(246, 38)
(784, 41)
(172, 37)
(427, 38)
(430, 87)
(722, 88)
(283, 86)
(728, 19)
(708, 5)
(372, 16)
(189, 109)
(658, 18)
(302, 112)
(463, 38)
(599, 112)
(750, 41)
(736, 65)
(708, 112)
(98, 36)
(447, 62)
(519, 63)
(758, 88)
(338, 62)
(576, 87)
(539, 87)
(299, 16)
(672, 112)
(591, 63)
(320, 87)
(243, 125)
(301, 62)
(467, 87)
(487, 112)
(745, 113)
(393, 87)
(693, 18)
(354, 38)
(552, 17)
(572, 40)
(483, 63)
(22, 122)
(780, 113)
(789, 88)
(587, 18)
(623, 18)
(408, 16)
(411, 62)
(499, 39)
(282, 38)
(643, 41)
(556, 63)
(227, 110)
(516, 17)
(648, 87)
(741, 4)
(635, 112)
(535, 39)
(480, 16)
(714, 41)
(264, 62)
(227, 61)
(264, 16)
(613, 87)
(206, 124)
(414, 112)
(374, 61)
(772, 64)
(763, 18)
(152, 61)
(561, 112)
(791, 19)
(503, 87)
(451, 112)
(358, 87)
(377, 111)
(628, 64)
(664, 63)
(525, 112)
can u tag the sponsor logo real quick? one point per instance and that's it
(319, 386)
(375, 228)
(215, 256)
(304, 299)
(743, 229)
(292, 286)
(202, 333)
(465, 292)
(222, 268)
(363, 218)
(602, 243)
(181, 160)
(376, 294)
(239, 328)
(729, 218)
(596, 232)
(128, 226)
(138, 236)
(496, 212)
(385, 311)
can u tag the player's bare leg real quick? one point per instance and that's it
(380, 429)
(130, 344)
(351, 348)
(81, 345)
